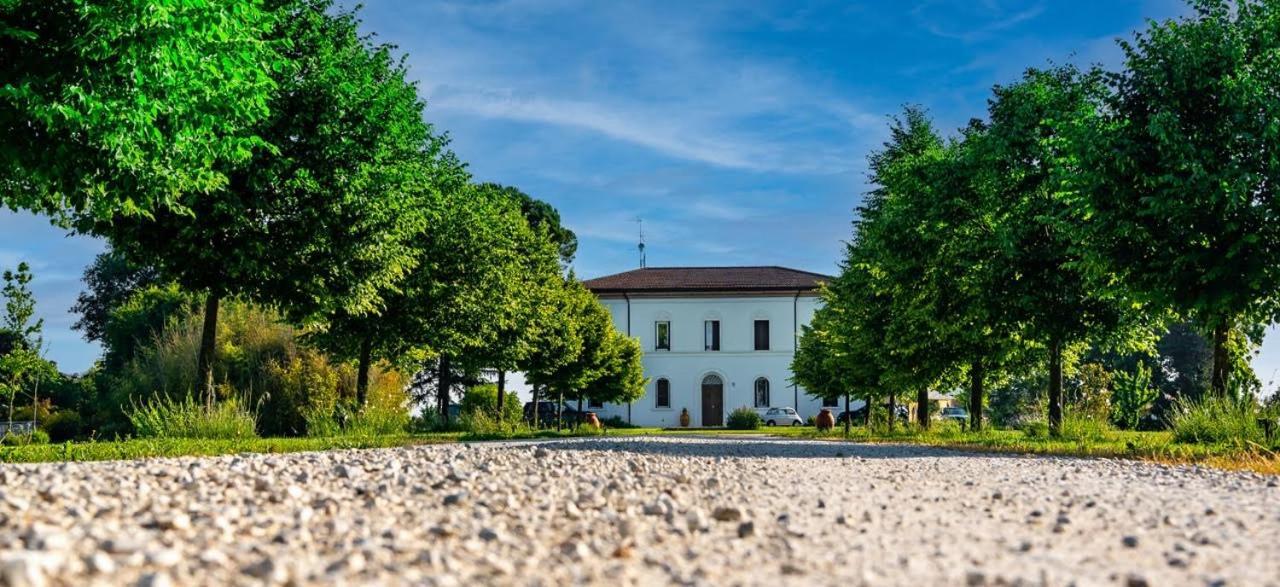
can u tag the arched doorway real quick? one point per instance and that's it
(712, 401)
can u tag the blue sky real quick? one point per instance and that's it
(737, 130)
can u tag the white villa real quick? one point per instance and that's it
(714, 339)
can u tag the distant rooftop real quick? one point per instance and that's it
(707, 279)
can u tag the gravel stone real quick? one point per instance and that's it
(636, 511)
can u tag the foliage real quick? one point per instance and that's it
(483, 399)
(1217, 420)
(139, 318)
(1090, 393)
(744, 418)
(542, 218)
(1084, 427)
(1132, 397)
(303, 393)
(122, 107)
(20, 309)
(1179, 186)
(165, 417)
(110, 281)
(345, 188)
(63, 425)
(35, 437)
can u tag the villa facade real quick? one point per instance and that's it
(714, 339)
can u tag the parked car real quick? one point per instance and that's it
(859, 415)
(547, 413)
(956, 414)
(781, 417)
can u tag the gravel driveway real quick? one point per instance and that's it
(637, 511)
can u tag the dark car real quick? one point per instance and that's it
(547, 414)
(859, 415)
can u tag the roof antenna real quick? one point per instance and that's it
(640, 221)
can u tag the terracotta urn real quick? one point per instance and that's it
(590, 419)
(684, 417)
(825, 421)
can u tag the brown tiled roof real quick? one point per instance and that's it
(707, 279)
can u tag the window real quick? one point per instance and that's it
(762, 393)
(662, 393)
(595, 403)
(711, 337)
(662, 336)
(762, 335)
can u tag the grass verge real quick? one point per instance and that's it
(139, 448)
(1158, 447)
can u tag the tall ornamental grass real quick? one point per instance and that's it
(1217, 420)
(164, 417)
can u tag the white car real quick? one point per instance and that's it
(781, 417)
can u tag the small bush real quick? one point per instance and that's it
(166, 418)
(1077, 426)
(1217, 420)
(63, 426)
(480, 424)
(616, 422)
(1036, 429)
(37, 437)
(484, 398)
(744, 418)
(378, 420)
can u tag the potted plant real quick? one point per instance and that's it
(684, 417)
(825, 420)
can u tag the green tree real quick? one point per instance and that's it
(621, 379)
(110, 281)
(118, 107)
(20, 323)
(542, 217)
(326, 220)
(1025, 154)
(1179, 195)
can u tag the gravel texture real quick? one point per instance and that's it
(637, 511)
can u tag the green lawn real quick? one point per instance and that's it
(1151, 446)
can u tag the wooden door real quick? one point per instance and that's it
(712, 401)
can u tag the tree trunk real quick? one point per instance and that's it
(536, 415)
(362, 372)
(560, 411)
(866, 414)
(922, 408)
(848, 418)
(1055, 388)
(1221, 360)
(208, 343)
(35, 406)
(502, 389)
(444, 380)
(976, 375)
(892, 410)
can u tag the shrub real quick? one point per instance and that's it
(616, 422)
(36, 437)
(1217, 420)
(1036, 429)
(166, 418)
(301, 393)
(480, 423)
(378, 420)
(63, 425)
(1084, 427)
(744, 418)
(484, 399)
(1132, 397)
